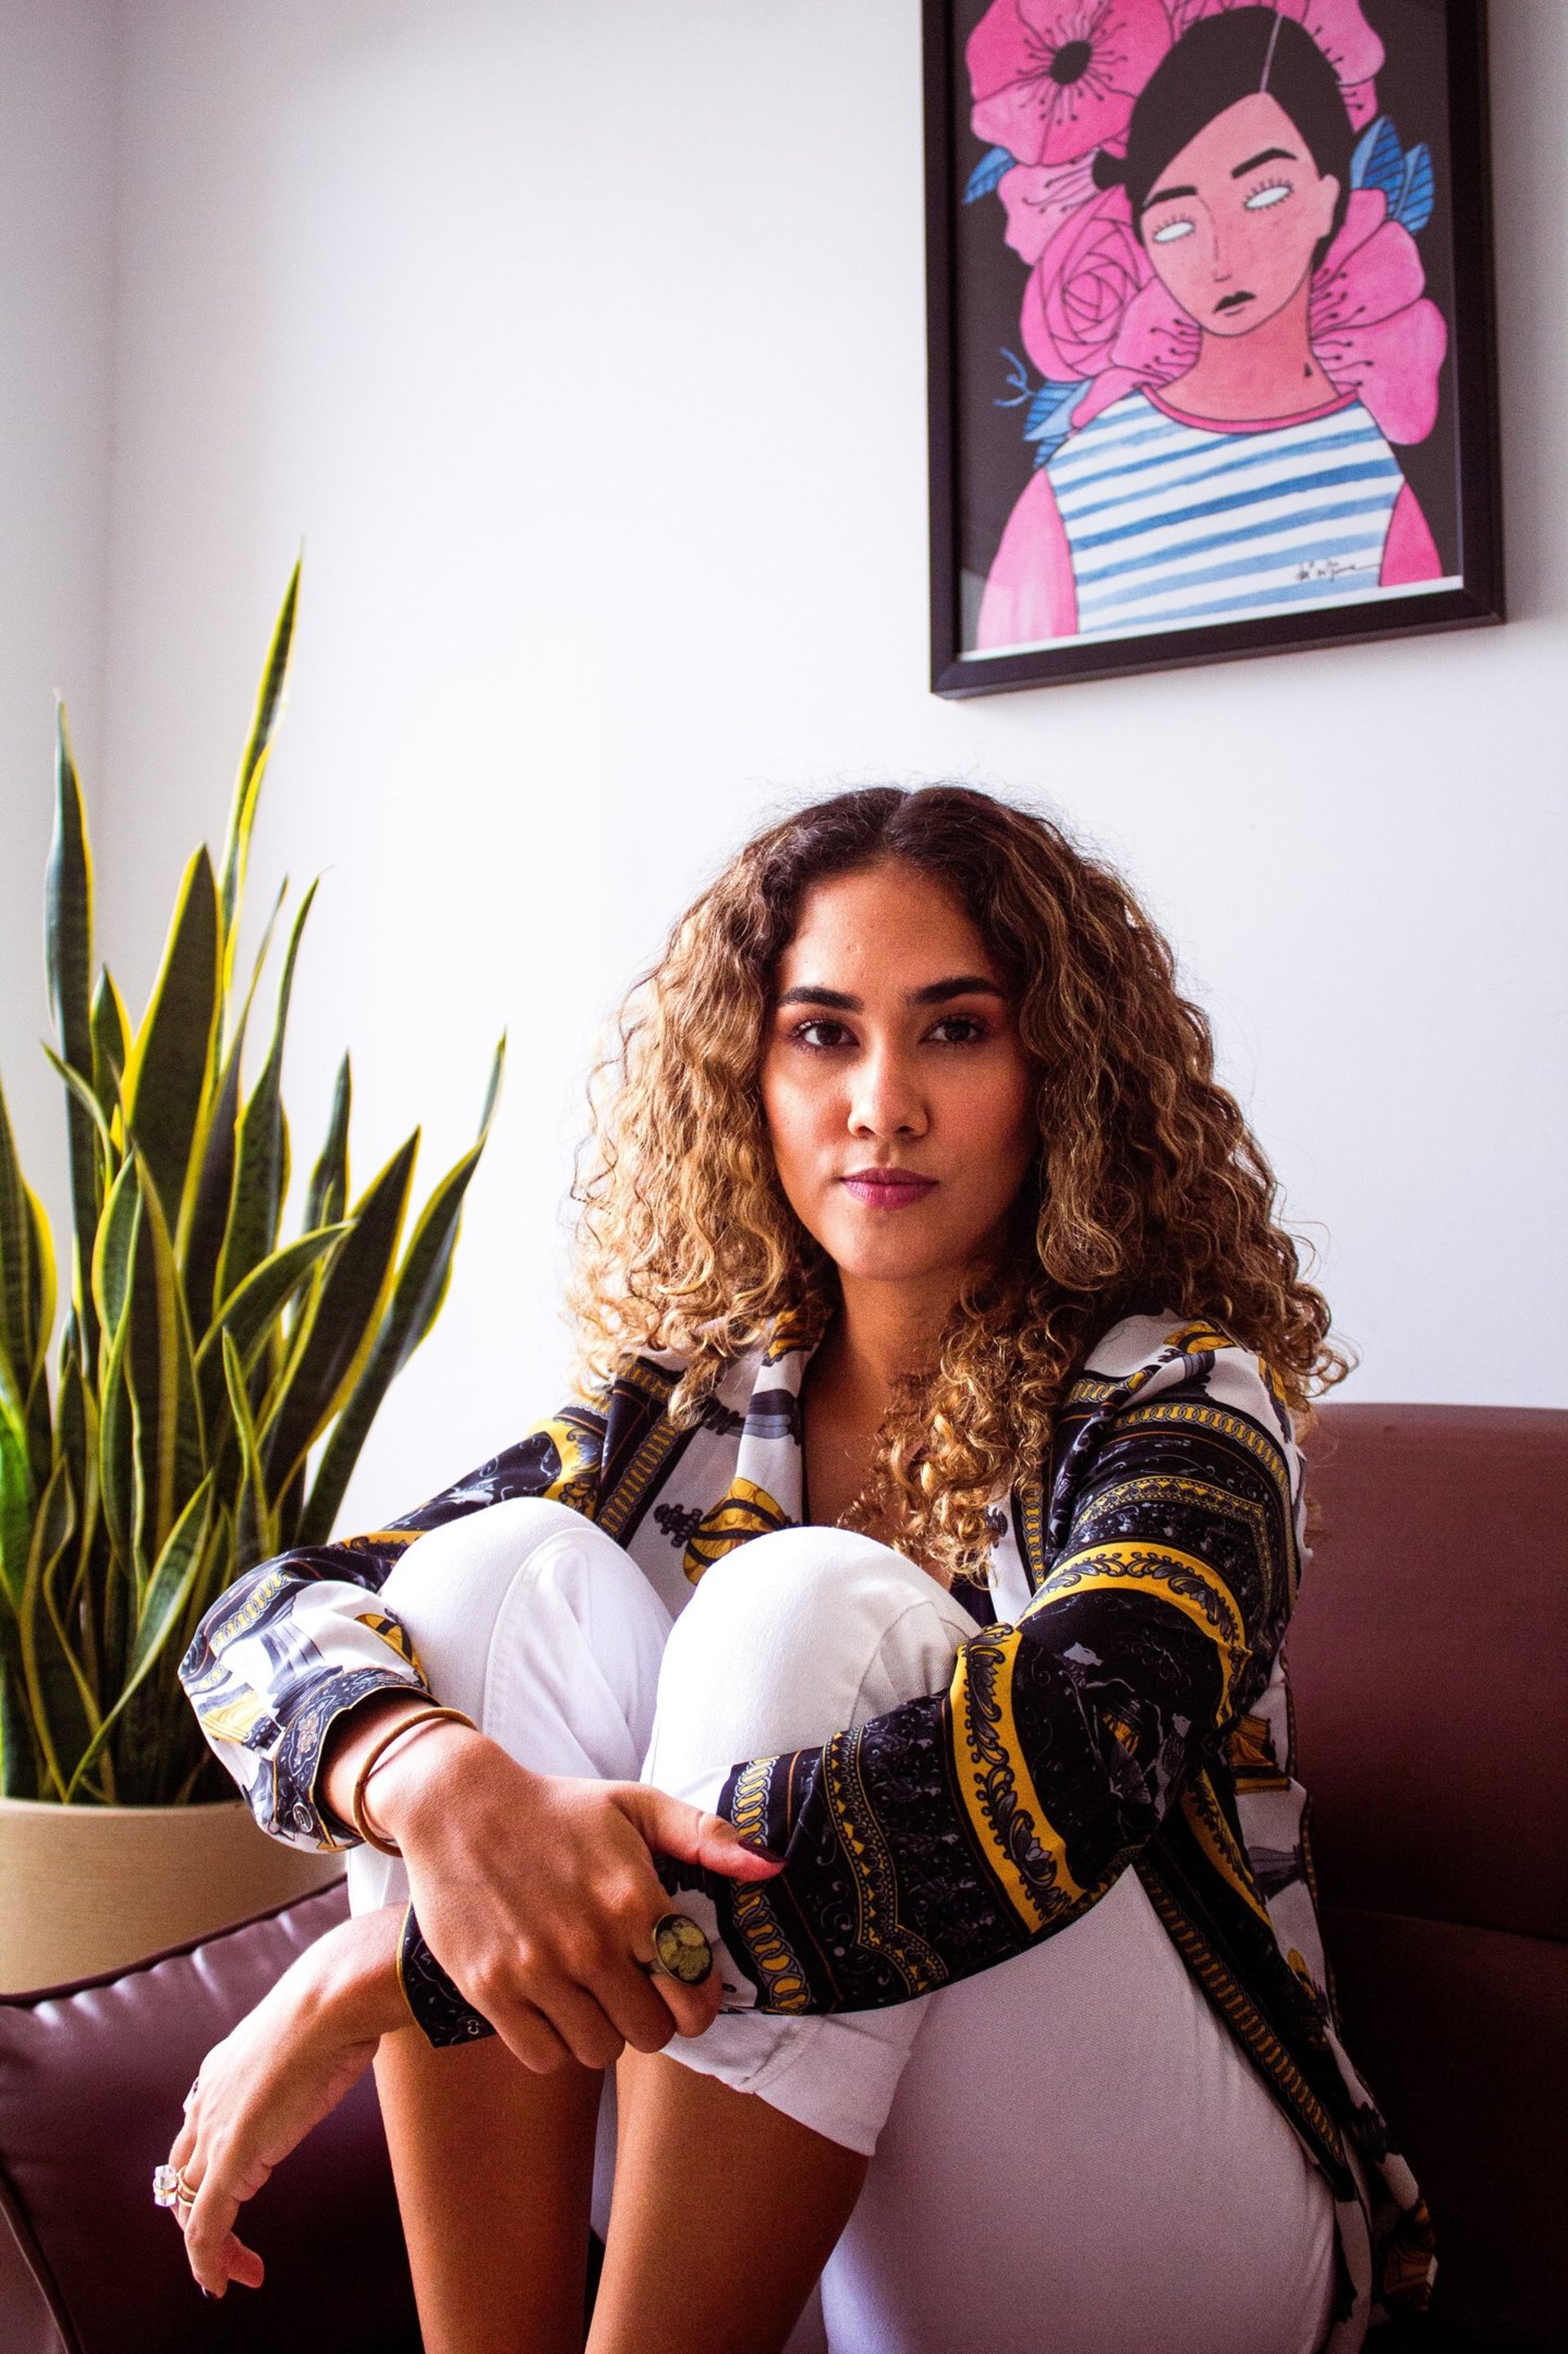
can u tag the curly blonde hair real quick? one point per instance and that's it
(1149, 1191)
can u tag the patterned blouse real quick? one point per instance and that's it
(1128, 1708)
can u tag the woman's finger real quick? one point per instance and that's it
(216, 2256)
(672, 1828)
(578, 2019)
(525, 2032)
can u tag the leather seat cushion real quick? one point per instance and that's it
(91, 2087)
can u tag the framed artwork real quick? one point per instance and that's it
(1212, 367)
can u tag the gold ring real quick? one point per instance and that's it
(170, 2188)
(680, 1951)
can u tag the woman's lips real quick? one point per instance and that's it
(888, 1189)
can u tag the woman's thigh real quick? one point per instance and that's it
(1078, 2158)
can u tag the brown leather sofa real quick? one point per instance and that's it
(1427, 1659)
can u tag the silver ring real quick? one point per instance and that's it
(680, 1951)
(170, 2188)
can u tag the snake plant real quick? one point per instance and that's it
(214, 1383)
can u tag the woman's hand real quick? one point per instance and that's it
(537, 1893)
(281, 2070)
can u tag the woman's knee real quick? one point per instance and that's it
(540, 1627)
(793, 1637)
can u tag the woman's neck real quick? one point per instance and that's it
(884, 1332)
(1272, 372)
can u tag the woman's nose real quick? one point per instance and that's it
(887, 1100)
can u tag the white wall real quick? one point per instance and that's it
(584, 345)
(56, 163)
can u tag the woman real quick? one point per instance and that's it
(925, 1273)
(1248, 482)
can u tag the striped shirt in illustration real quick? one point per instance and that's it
(1171, 520)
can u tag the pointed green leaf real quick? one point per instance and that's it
(417, 1299)
(85, 1098)
(253, 759)
(16, 1490)
(117, 1456)
(250, 1311)
(262, 1158)
(255, 1537)
(162, 1373)
(53, 1701)
(67, 948)
(114, 1254)
(161, 1607)
(111, 1042)
(328, 1193)
(169, 1073)
(41, 1279)
(19, 1282)
(215, 1185)
(333, 1344)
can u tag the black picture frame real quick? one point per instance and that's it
(968, 488)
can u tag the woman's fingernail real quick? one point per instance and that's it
(754, 1846)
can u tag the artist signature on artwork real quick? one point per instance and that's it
(1331, 567)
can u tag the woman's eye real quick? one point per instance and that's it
(1170, 231)
(960, 1029)
(1262, 198)
(820, 1035)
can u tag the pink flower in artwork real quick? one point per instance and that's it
(1038, 199)
(1373, 326)
(1079, 291)
(1053, 80)
(1339, 29)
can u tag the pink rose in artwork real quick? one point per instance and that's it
(1079, 291)
(1339, 29)
(1053, 80)
(1375, 331)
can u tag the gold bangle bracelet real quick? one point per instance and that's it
(406, 1724)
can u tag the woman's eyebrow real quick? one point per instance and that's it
(964, 984)
(936, 992)
(1165, 195)
(1268, 155)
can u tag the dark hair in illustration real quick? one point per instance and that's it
(1216, 63)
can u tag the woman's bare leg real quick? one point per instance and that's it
(726, 2211)
(494, 2171)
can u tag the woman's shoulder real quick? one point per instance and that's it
(1144, 1353)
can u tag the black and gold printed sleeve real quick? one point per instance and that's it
(958, 1829)
(300, 1640)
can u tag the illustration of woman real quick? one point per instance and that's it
(1216, 469)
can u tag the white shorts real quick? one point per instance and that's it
(1068, 2151)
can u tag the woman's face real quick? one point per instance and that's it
(897, 1091)
(1233, 221)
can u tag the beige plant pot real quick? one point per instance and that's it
(84, 1889)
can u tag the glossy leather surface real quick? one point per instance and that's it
(91, 2085)
(1427, 1659)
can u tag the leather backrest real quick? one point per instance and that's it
(1427, 1658)
(91, 2084)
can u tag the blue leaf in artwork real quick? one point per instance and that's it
(1048, 419)
(1017, 380)
(1418, 193)
(988, 173)
(1379, 161)
(1047, 407)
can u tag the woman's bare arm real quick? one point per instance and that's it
(281, 2070)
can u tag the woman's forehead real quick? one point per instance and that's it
(888, 922)
(1223, 147)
